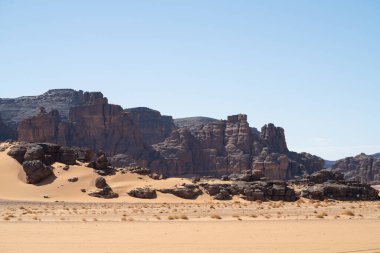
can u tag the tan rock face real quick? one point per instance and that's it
(362, 167)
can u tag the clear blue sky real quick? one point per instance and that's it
(312, 67)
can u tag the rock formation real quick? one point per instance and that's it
(36, 171)
(14, 110)
(230, 146)
(144, 138)
(363, 168)
(99, 126)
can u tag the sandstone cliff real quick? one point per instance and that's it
(143, 137)
(231, 146)
(99, 126)
(15, 110)
(364, 168)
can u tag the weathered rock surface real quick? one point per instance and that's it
(341, 191)
(260, 190)
(6, 132)
(186, 191)
(323, 176)
(99, 126)
(104, 193)
(143, 193)
(193, 123)
(230, 147)
(100, 182)
(153, 126)
(36, 171)
(143, 137)
(47, 153)
(363, 168)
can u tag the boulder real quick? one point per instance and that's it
(100, 182)
(18, 152)
(36, 171)
(322, 176)
(186, 191)
(34, 152)
(73, 179)
(143, 193)
(67, 156)
(105, 193)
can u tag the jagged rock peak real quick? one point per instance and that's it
(237, 118)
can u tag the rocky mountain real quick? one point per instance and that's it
(364, 168)
(143, 137)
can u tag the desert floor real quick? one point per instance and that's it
(232, 226)
(68, 220)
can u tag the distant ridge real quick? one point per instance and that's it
(193, 122)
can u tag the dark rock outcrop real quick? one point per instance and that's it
(18, 152)
(341, 191)
(47, 153)
(323, 176)
(100, 182)
(36, 171)
(143, 193)
(104, 193)
(260, 190)
(186, 191)
(363, 168)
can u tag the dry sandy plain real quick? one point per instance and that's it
(71, 221)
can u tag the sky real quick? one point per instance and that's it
(311, 67)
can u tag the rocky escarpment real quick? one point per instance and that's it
(6, 132)
(326, 184)
(153, 126)
(363, 168)
(14, 110)
(143, 137)
(230, 146)
(99, 126)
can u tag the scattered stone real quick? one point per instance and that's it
(139, 170)
(73, 179)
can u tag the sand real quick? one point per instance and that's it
(71, 221)
(187, 236)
